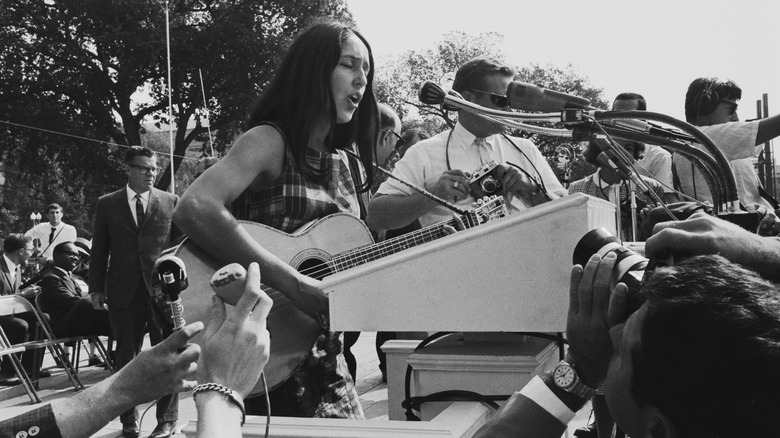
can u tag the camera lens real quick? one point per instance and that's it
(490, 185)
(630, 267)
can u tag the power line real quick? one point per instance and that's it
(81, 138)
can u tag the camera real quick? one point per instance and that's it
(484, 181)
(631, 268)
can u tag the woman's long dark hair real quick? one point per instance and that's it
(300, 93)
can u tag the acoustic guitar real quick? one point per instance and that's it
(321, 248)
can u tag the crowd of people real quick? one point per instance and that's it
(692, 360)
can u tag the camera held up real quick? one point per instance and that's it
(484, 181)
(631, 268)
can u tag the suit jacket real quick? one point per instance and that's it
(58, 296)
(7, 287)
(133, 250)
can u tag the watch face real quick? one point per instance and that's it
(563, 376)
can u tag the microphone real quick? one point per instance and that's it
(228, 283)
(431, 93)
(528, 97)
(172, 276)
(603, 160)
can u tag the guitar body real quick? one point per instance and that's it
(293, 333)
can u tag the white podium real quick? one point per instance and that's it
(511, 274)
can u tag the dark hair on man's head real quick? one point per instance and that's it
(387, 116)
(641, 104)
(15, 242)
(704, 94)
(53, 206)
(592, 151)
(472, 74)
(138, 151)
(414, 134)
(300, 95)
(710, 349)
(60, 248)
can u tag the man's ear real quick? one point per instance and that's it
(658, 425)
(468, 95)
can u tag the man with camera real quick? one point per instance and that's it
(444, 164)
(692, 360)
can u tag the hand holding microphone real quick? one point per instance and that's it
(238, 333)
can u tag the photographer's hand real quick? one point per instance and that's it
(514, 181)
(703, 234)
(593, 310)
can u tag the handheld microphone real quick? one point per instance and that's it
(228, 283)
(172, 276)
(528, 97)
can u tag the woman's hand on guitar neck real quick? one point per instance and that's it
(311, 300)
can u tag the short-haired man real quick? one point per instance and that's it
(711, 105)
(47, 235)
(389, 137)
(442, 164)
(657, 162)
(607, 184)
(692, 361)
(70, 309)
(17, 248)
(132, 226)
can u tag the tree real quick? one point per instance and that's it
(98, 69)
(399, 79)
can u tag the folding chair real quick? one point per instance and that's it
(15, 304)
(7, 350)
(77, 341)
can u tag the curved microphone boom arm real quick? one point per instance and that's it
(583, 123)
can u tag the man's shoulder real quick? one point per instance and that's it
(579, 183)
(113, 195)
(162, 194)
(48, 279)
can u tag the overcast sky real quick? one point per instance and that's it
(655, 48)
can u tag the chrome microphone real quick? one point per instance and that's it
(172, 276)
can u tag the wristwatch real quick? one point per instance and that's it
(564, 376)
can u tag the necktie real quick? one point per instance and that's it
(139, 210)
(51, 235)
(75, 284)
(484, 154)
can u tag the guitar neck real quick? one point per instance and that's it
(388, 247)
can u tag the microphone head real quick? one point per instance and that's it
(169, 266)
(529, 97)
(431, 93)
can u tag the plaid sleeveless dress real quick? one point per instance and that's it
(321, 386)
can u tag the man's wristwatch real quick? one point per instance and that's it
(565, 377)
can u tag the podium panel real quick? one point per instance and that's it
(511, 274)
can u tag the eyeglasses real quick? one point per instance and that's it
(398, 144)
(499, 100)
(145, 169)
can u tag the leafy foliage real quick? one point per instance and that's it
(98, 69)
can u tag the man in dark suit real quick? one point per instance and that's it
(132, 226)
(17, 248)
(70, 310)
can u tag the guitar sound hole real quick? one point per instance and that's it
(314, 268)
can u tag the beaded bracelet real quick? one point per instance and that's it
(231, 395)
